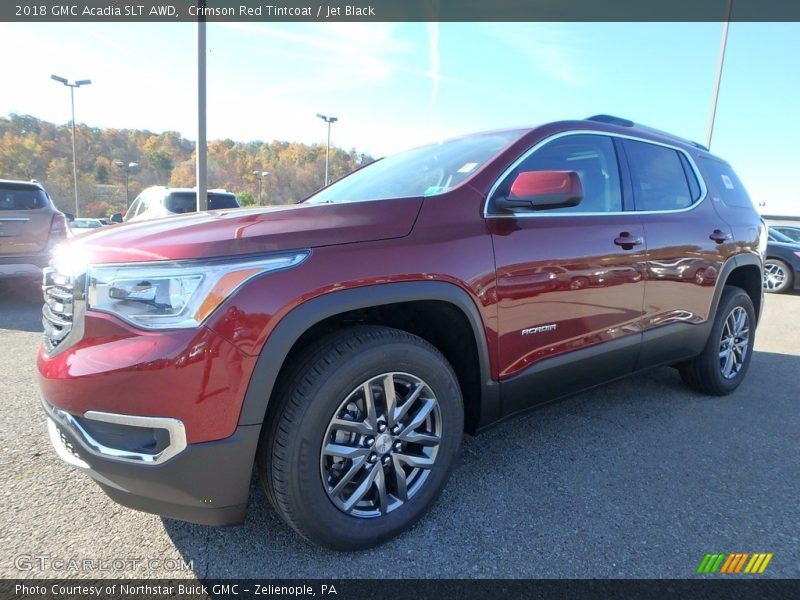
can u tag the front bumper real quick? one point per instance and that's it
(206, 483)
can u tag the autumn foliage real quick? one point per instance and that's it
(34, 149)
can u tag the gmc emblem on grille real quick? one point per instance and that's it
(539, 329)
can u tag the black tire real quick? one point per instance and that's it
(311, 393)
(778, 276)
(704, 373)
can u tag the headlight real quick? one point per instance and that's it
(172, 295)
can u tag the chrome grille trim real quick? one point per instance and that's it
(62, 312)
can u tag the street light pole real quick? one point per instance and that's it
(260, 175)
(72, 87)
(127, 168)
(329, 121)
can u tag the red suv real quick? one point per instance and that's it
(342, 345)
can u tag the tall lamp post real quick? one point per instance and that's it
(329, 121)
(72, 87)
(127, 167)
(260, 175)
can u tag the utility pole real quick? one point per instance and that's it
(202, 147)
(718, 79)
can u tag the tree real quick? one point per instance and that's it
(101, 173)
(161, 162)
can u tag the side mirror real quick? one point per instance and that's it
(70, 217)
(116, 218)
(542, 190)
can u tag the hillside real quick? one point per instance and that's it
(34, 149)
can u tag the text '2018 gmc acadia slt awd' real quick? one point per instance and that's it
(344, 344)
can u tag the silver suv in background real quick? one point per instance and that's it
(156, 202)
(30, 226)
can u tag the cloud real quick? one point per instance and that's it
(544, 46)
(335, 55)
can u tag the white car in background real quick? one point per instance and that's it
(156, 202)
(82, 226)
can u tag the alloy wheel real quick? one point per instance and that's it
(774, 276)
(381, 444)
(734, 343)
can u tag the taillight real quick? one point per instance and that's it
(58, 230)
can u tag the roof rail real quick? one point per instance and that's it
(612, 120)
(699, 145)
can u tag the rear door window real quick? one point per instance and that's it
(659, 177)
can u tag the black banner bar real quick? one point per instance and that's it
(717, 588)
(396, 10)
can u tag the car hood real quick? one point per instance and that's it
(248, 231)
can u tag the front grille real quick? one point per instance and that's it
(59, 307)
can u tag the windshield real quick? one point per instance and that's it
(186, 202)
(779, 237)
(425, 171)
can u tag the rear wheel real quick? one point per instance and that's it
(777, 276)
(364, 437)
(722, 365)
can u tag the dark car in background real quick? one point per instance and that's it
(782, 267)
(790, 231)
(30, 226)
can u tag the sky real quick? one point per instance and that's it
(398, 85)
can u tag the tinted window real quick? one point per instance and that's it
(727, 184)
(592, 157)
(186, 202)
(777, 236)
(14, 197)
(659, 179)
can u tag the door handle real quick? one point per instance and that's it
(627, 241)
(719, 236)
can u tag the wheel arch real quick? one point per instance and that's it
(483, 407)
(744, 271)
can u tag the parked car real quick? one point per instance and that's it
(81, 226)
(793, 233)
(344, 344)
(782, 267)
(30, 226)
(157, 202)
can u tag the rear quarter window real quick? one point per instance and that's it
(729, 187)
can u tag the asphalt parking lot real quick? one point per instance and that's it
(636, 479)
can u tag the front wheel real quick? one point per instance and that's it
(364, 437)
(722, 365)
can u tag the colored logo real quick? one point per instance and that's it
(735, 562)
